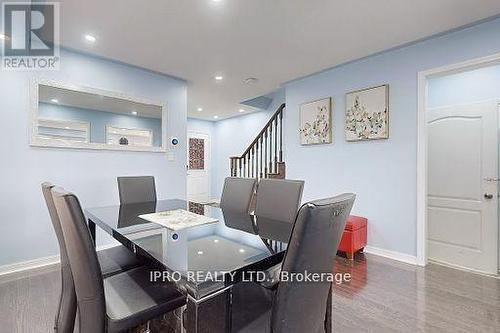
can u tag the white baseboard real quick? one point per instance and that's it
(398, 256)
(38, 263)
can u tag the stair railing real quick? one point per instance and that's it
(264, 156)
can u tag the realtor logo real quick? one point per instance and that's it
(31, 36)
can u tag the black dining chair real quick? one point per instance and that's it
(136, 189)
(116, 303)
(112, 261)
(300, 306)
(237, 197)
(277, 202)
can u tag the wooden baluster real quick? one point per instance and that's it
(245, 165)
(265, 154)
(252, 162)
(271, 149)
(281, 136)
(276, 144)
(257, 159)
(261, 139)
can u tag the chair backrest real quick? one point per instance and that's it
(237, 196)
(65, 317)
(82, 256)
(301, 306)
(278, 200)
(136, 189)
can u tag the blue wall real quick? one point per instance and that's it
(99, 120)
(382, 173)
(26, 231)
(230, 137)
(467, 87)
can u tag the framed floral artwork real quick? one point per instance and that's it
(367, 114)
(316, 122)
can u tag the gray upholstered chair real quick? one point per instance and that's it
(136, 189)
(66, 309)
(301, 306)
(112, 261)
(237, 196)
(277, 200)
(116, 303)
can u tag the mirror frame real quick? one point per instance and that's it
(36, 142)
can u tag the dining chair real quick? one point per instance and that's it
(66, 309)
(277, 200)
(116, 303)
(136, 189)
(301, 306)
(237, 196)
(112, 261)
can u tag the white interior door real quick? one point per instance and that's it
(462, 200)
(198, 167)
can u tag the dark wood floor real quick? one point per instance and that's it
(383, 296)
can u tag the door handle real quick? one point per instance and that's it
(488, 196)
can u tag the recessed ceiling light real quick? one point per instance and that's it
(216, 117)
(66, 127)
(90, 38)
(242, 110)
(216, 240)
(200, 252)
(241, 250)
(219, 77)
(199, 109)
(54, 100)
(216, 0)
(134, 113)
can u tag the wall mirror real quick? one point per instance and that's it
(67, 116)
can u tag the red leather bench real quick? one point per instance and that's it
(354, 236)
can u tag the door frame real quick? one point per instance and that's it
(422, 143)
(207, 165)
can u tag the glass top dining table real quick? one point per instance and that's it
(204, 259)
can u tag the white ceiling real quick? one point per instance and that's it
(273, 40)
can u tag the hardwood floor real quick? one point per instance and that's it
(383, 296)
(388, 296)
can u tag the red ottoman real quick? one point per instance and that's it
(354, 237)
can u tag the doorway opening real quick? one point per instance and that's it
(198, 167)
(458, 166)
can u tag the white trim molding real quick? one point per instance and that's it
(423, 76)
(398, 256)
(39, 262)
(34, 113)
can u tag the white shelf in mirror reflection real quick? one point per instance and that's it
(134, 136)
(64, 130)
(50, 130)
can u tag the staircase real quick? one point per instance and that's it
(264, 156)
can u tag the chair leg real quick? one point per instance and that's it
(328, 316)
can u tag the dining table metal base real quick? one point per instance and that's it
(209, 314)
